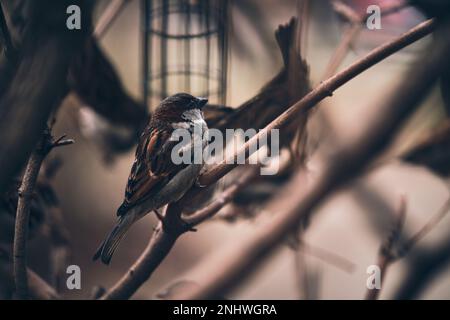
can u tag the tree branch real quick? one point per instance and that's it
(425, 267)
(432, 151)
(292, 205)
(162, 239)
(108, 17)
(23, 210)
(324, 90)
(39, 289)
(386, 253)
(23, 216)
(356, 22)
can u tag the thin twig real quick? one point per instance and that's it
(328, 257)
(62, 141)
(304, 13)
(425, 267)
(324, 90)
(26, 189)
(443, 211)
(386, 255)
(356, 22)
(23, 215)
(341, 51)
(224, 198)
(346, 12)
(349, 14)
(304, 275)
(39, 289)
(108, 17)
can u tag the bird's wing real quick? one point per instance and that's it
(151, 169)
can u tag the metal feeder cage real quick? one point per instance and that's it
(185, 49)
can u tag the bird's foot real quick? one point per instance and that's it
(184, 225)
(161, 219)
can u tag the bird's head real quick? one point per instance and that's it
(181, 106)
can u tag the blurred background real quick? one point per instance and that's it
(243, 56)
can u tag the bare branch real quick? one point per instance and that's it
(443, 211)
(324, 90)
(349, 14)
(39, 289)
(425, 266)
(346, 12)
(108, 17)
(432, 151)
(23, 210)
(308, 278)
(294, 205)
(23, 215)
(328, 257)
(386, 253)
(162, 239)
(356, 22)
(224, 198)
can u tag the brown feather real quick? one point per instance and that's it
(153, 165)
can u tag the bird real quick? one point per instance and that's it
(155, 180)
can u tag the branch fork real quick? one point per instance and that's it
(44, 146)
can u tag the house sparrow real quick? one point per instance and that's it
(155, 180)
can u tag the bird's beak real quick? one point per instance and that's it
(201, 102)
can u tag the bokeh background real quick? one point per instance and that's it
(352, 224)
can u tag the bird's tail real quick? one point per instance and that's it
(109, 245)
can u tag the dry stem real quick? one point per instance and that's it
(23, 210)
(387, 254)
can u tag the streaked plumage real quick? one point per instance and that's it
(155, 180)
